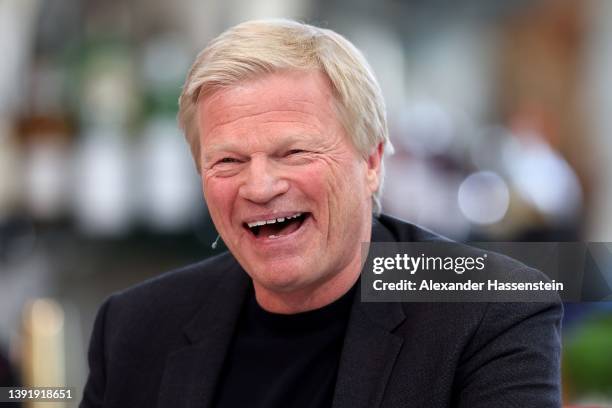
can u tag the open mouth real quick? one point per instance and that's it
(276, 227)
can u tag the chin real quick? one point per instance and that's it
(285, 279)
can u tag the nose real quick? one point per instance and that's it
(263, 181)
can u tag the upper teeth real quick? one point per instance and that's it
(272, 221)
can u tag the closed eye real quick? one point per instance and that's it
(228, 160)
(295, 151)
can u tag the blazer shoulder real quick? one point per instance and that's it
(397, 230)
(179, 291)
(392, 229)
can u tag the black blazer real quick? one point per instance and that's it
(163, 342)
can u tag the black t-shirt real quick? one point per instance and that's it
(284, 361)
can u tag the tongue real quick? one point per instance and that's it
(282, 228)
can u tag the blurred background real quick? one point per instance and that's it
(500, 112)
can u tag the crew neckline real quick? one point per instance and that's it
(320, 318)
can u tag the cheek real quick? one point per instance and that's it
(336, 188)
(314, 183)
(349, 182)
(219, 198)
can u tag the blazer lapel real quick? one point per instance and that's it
(370, 348)
(368, 355)
(191, 373)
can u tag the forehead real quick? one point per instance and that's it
(288, 93)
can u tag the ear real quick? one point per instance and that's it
(373, 170)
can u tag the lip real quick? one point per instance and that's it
(283, 240)
(270, 216)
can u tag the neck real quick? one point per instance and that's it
(319, 295)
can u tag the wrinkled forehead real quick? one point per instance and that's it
(279, 84)
(288, 92)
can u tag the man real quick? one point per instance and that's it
(287, 127)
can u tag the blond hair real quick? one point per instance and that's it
(255, 48)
